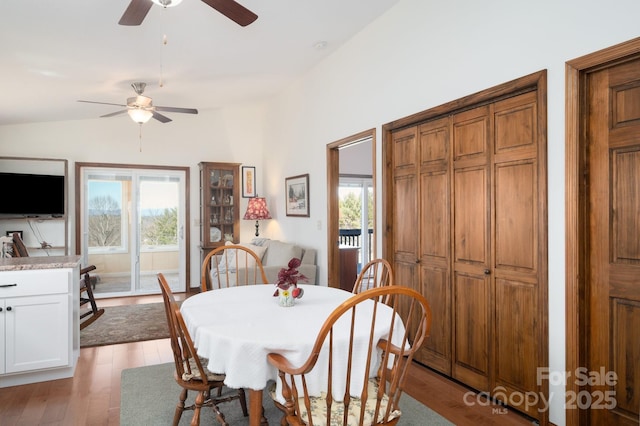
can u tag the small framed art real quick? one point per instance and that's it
(297, 190)
(248, 182)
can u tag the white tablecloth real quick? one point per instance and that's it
(235, 328)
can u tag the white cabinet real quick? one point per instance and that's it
(39, 330)
(36, 333)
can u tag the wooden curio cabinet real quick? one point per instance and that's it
(219, 204)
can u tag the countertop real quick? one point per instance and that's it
(38, 262)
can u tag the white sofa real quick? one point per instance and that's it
(276, 255)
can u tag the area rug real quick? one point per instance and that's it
(149, 396)
(127, 323)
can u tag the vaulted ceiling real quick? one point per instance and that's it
(55, 52)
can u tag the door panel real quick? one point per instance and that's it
(516, 343)
(515, 216)
(614, 249)
(471, 340)
(471, 236)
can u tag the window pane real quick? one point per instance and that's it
(105, 214)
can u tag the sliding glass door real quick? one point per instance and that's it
(133, 228)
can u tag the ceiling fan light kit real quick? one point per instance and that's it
(167, 3)
(140, 115)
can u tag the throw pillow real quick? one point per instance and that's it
(280, 253)
(244, 258)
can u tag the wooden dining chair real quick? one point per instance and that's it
(19, 249)
(376, 273)
(231, 265)
(374, 377)
(190, 371)
(87, 316)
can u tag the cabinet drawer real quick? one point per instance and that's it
(35, 282)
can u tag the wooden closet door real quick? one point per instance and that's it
(406, 216)
(435, 243)
(614, 246)
(471, 232)
(515, 277)
(421, 228)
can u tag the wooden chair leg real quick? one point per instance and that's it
(180, 407)
(195, 420)
(243, 402)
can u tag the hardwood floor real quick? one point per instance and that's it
(92, 396)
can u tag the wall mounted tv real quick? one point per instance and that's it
(32, 195)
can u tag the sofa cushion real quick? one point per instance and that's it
(280, 253)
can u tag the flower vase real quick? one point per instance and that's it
(285, 298)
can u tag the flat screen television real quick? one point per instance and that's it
(31, 195)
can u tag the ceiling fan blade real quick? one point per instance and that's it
(174, 109)
(161, 118)
(234, 11)
(136, 12)
(103, 103)
(114, 113)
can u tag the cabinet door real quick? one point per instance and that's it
(3, 346)
(219, 198)
(37, 332)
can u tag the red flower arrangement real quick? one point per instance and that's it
(288, 278)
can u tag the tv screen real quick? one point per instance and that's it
(32, 194)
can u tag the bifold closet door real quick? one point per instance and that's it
(471, 234)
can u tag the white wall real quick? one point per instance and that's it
(420, 54)
(233, 134)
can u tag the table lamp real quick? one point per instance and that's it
(257, 210)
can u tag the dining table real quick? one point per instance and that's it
(236, 328)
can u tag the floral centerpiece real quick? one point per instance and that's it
(287, 284)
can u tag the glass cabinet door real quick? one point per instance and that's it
(220, 204)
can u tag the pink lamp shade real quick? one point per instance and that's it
(257, 210)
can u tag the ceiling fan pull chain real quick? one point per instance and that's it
(164, 43)
(140, 137)
(162, 48)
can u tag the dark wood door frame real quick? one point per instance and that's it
(577, 71)
(333, 208)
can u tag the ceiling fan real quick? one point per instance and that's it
(140, 108)
(138, 9)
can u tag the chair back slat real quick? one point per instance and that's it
(360, 360)
(19, 249)
(376, 273)
(231, 265)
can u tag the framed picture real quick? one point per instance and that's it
(10, 234)
(248, 182)
(297, 190)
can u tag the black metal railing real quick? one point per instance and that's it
(352, 237)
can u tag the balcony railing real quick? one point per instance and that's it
(353, 238)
